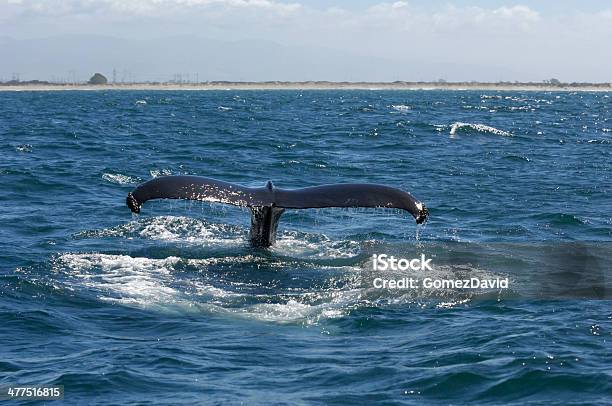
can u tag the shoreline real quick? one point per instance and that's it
(603, 87)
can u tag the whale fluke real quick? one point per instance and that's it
(268, 203)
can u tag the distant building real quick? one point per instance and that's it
(98, 79)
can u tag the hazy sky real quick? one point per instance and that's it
(528, 40)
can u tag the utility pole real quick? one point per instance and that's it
(114, 76)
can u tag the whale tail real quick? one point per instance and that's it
(268, 203)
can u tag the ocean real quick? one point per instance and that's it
(172, 306)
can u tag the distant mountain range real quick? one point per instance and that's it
(187, 58)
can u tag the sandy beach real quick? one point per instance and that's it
(606, 87)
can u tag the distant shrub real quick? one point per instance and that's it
(98, 79)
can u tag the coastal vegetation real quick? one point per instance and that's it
(99, 79)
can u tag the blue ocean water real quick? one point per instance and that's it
(172, 306)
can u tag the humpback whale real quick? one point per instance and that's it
(268, 203)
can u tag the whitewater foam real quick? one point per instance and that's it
(303, 292)
(120, 277)
(161, 285)
(302, 245)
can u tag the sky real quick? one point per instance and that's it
(395, 40)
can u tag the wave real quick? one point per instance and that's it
(401, 108)
(517, 158)
(487, 96)
(24, 148)
(599, 141)
(560, 219)
(457, 126)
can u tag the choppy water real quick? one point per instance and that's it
(173, 306)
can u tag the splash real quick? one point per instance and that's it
(417, 234)
(160, 172)
(187, 229)
(120, 179)
(174, 229)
